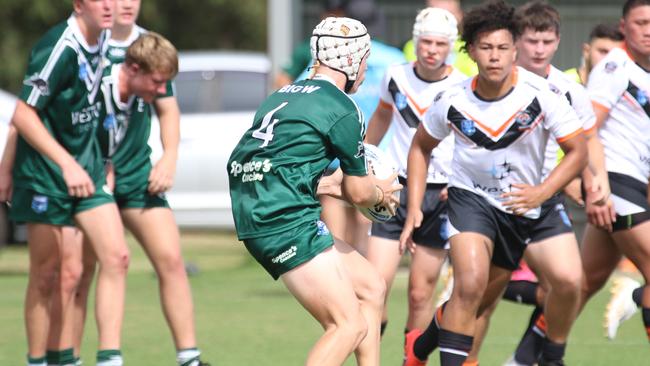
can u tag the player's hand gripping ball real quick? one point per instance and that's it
(382, 166)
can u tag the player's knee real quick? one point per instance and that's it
(469, 290)
(569, 283)
(373, 291)
(44, 280)
(170, 263)
(117, 261)
(419, 297)
(70, 277)
(592, 283)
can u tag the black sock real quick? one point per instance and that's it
(645, 314)
(383, 328)
(637, 294)
(553, 351)
(428, 341)
(522, 292)
(454, 348)
(532, 342)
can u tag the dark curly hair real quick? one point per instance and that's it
(490, 16)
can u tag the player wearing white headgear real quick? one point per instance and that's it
(341, 44)
(297, 132)
(407, 92)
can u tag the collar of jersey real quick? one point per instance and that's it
(324, 77)
(76, 31)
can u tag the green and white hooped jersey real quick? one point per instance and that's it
(124, 132)
(116, 53)
(275, 168)
(62, 84)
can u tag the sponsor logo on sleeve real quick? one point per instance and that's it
(39, 83)
(610, 67)
(361, 151)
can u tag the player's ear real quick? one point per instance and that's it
(133, 68)
(76, 5)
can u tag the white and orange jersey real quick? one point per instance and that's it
(563, 85)
(409, 97)
(501, 142)
(620, 87)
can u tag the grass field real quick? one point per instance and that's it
(243, 317)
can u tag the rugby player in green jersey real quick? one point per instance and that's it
(58, 174)
(138, 186)
(274, 173)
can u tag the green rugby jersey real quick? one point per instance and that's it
(275, 168)
(62, 84)
(116, 54)
(124, 133)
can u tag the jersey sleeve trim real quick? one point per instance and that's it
(590, 131)
(600, 106)
(570, 136)
(47, 69)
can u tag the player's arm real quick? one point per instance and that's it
(368, 191)
(379, 123)
(7, 164)
(30, 126)
(417, 167)
(599, 207)
(358, 187)
(330, 185)
(162, 174)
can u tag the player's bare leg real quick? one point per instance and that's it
(558, 260)
(384, 256)
(471, 254)
(345, 304)
(83, 290)
(103, 228)
(599, 256)
(346, 223)
(44, 262)
(635, 245)
(156, 230)
(61, 339)
(423, 276)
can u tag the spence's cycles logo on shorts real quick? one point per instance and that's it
(286, 255)
(250, 171)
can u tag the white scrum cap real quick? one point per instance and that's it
(435, 22)
(340, 43)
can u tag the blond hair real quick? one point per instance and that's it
(153, 53)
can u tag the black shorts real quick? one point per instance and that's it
(630, 201)
(469, 212)
(553, 220)
(433, 231)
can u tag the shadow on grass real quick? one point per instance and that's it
(13, 273)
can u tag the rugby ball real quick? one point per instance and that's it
(382, 166)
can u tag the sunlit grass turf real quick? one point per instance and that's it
(243, 317)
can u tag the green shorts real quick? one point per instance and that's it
(27, 205)
(282, 252)
(140, 198)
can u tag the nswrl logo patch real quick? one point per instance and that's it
(39, 203)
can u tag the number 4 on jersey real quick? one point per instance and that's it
(267, 125)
